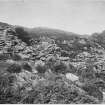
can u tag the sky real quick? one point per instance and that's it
(79, 16)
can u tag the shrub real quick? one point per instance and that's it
(16, 57)
(72, 69)
(27, 67)
(4, 57)
(56, 94)
(59, 67)
(87, 73)
(14, 68)
(8, 93)
(4, 84)
(41, 69)
(92, 90)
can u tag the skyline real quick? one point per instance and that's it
(78, 16)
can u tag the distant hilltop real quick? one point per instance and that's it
(40, 31)
(36, 32)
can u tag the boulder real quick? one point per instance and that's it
(72, 77)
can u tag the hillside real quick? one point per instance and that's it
(54, 33)
(99, 38)
(43, 31)
(50, 66)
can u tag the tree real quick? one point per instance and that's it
(14, 68)
(23, 35)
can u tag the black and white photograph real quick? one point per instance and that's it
(52, 51)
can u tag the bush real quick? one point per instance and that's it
(14, 68)
(87, 73)
(72, 69)
(92, 90)
(4, 85)
(41, 69)
(4, 57)
(8, 92)
(16, 57)
(27, 67)
(45, 92)
(56, 94)
(59, 67)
